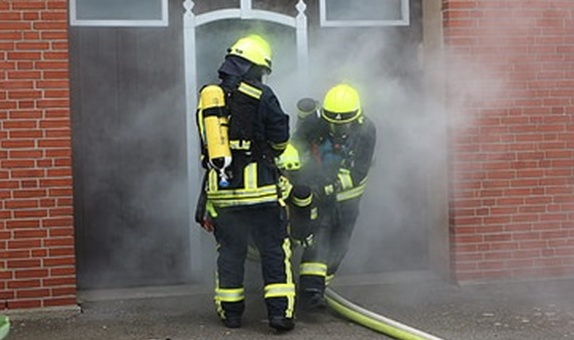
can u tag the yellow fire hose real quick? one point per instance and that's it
(4, 326)
(372, 320)
(362, 316)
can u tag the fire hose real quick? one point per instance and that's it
(372, 320)
(4, 326)
(362, 316)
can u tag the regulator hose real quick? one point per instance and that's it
(372, 320)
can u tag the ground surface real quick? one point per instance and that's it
(541, 310)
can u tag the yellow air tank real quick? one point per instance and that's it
(214, 115)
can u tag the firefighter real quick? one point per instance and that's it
(336, 149)
(241, 198)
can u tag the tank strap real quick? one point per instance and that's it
(246, 137)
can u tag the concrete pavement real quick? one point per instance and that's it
(532, 310)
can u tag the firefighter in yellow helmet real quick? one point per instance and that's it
(336, 146)
(243, 122)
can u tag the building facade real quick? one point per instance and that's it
(503, 207)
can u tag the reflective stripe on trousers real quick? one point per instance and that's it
(313, 268)
(229, 295)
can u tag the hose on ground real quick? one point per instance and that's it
(363, 316)
(372, 320)
(4, 326)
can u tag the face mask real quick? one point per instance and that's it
(340, 131)
(339, 134)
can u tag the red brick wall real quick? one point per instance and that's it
(511, 84)
(37, 262)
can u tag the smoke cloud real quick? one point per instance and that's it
(384, 64)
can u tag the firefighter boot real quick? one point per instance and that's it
(281, 324)
(312, 300)
(232, 322)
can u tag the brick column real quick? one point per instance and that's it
(37, 259)
(510, 96)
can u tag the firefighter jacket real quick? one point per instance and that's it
(337, 171)
(258, 131)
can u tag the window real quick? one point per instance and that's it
(364, 13)
(118, 13)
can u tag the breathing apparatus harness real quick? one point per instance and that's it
(230, 128)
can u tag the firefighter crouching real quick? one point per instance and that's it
(240, 197)
(336, 147)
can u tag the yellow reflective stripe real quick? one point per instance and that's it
(212, 181)
(229, 294)
(279, 290)
(240, 144)
(211, 209)
(329, 189)
(279, 146)
(313, 268)
(289, 277)
(250, 176)
(249, 194)
(329, 278)
(340, 117)
(250, 90)
(352, 193)
(233, 203)
(226, 295)
(285, 186)
(224, 198)
(287, 260)
(314, 213)
(303, 202)
(243, 193)
(287, 289)
(218, 305)
(345, 179)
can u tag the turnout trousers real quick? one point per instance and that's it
(266, 224)
(320, 261)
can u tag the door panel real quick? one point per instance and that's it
(131, 204)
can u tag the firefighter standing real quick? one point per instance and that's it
(241, 186)
(336, 147)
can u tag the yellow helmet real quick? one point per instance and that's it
(253, 48)
(341, 105)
